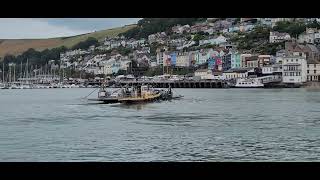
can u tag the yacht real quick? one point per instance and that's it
(249, 83)
(2, 86)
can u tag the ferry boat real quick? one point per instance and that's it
(141, 94)
(107, 97)
(248, 83)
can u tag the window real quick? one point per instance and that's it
(296, 60)
(291, 60)
(308, 66)
(308, 71)
(314, 65)
(315, 71)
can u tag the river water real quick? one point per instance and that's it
(207, 125)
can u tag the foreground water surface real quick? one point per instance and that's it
(207, 125)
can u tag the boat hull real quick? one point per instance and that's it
(139, 100)
(106, 100)
(248, 87)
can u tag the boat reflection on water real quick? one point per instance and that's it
(139, 106)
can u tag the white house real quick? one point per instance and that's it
(278, 37)
(186, 44)
(267, 70)
(218, 40)
(108, 69)
(309, 36)
(294, 69)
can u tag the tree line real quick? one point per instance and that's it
(148, 26)
(41, 58)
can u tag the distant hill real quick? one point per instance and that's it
(18, 46)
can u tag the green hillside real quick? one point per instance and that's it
(18, 46)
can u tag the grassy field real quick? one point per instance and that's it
(18, 46)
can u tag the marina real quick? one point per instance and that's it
(160, 90)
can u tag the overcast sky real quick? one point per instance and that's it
(29, 28)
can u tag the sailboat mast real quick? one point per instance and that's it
(3, 72)
(14, 73)
(27, 68)
(20, 72)
(9, 73)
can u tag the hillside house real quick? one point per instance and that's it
(276, 37)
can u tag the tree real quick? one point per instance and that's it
(314, 24)
(148, 26)
(85, 44)
(198, 37)
(293, 28)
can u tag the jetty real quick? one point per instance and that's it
(176, 84)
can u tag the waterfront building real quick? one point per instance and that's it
(160, 55)
(236, 73)
(267, 70)
(183, 59)
(309, 51)
(243, 59)
(264, 60)
(313, 71)
(294, 69)
(235, 60)
(202, 73)
(277, 68)
(252, 61)
(166, 59)
(226, 61)
(201, 57)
